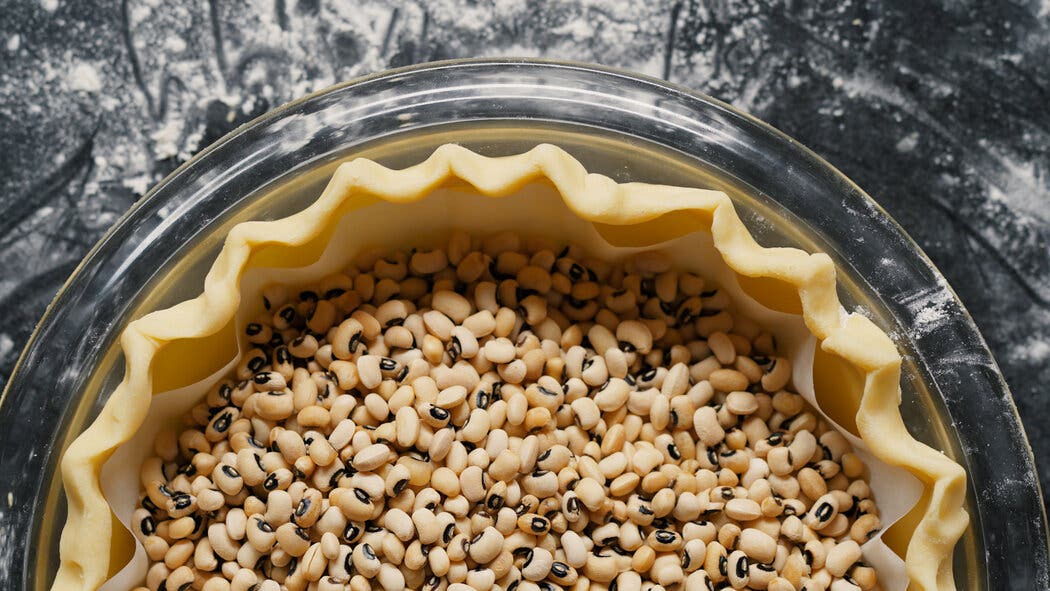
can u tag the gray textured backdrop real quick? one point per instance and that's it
(938, 110)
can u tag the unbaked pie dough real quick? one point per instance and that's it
(843, 364)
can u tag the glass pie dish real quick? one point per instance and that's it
(628, 128)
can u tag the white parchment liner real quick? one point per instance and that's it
(535, 210)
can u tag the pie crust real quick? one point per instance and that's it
(634, 212)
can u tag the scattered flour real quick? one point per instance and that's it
(7, 345)
(49, 5)
(1033, 351)
(174, 44)
(84, 77)
(14, 42)
(929, 309)
(138, 183)
(1024, 185)
(908, 143)
(166, 139)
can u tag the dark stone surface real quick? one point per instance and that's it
(938, 110)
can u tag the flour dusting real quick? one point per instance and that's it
(84, 77)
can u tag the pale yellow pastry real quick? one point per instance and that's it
(545, 192)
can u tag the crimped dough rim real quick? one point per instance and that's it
(593, 197)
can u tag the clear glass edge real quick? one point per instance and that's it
(287, 108)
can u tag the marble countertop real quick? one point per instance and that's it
(938, 110)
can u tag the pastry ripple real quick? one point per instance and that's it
(593, 197)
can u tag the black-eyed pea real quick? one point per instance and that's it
(760, 575)
(330, 583)
(601, 566)
(292, 539)
(562, 574)
(664, 540)
(248, 556)
(828, 469)
(815, 554)
(359, 583)
(667, 570)
(793, 506)
(252, 362)
(156, 576)
(407, 425)
(193, 441)
(758, 545)
(749, 368)
(260, 533)
(728, 380)
(708, 430)
(823, 511)
(180, 579)
(481, 324)
(811, 483)
(838, 527)
(308, 510)
(741, 403)
(428, 262)
(777, 375)
(486, 545)
(245, 579)
(472, 483)
(278, 508)
(699, 580)
(322, 317)
(274, 405)
(737, 569)
(182, 528)
(377, 406)
(864, 577)
(178, 554)
(835, 443)
(722, 347)
(458, 247)
(624, 484)
(803, 447)
(534, 524)
(716, 562)
(742, 509)
(279, 479)
(772, 506)
(841, 557)
(268, 381)
(778, 583)
(864, 528)
(780, 461)
(634, 336)
(372, 457)
(279, 557)
(852, 466)
(216, 583)
(793, 528)
(313, 564)
(452, 305)
(365, 560)
(795, 568)
(574, 548)
(843, 585)
(157, 547)
(222, 543)
(537, 565)
(481, 579)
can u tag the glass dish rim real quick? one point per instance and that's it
(979, 345)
